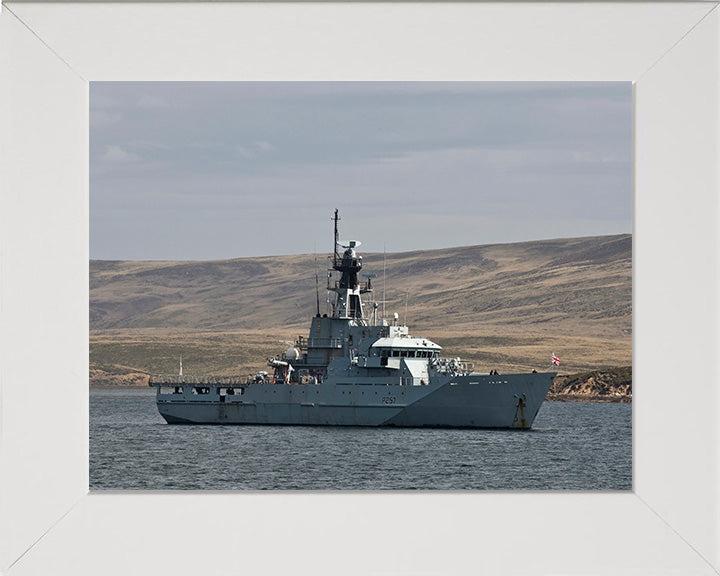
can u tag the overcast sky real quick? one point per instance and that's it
(197, 171)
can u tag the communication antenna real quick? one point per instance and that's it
(327, 294)
(407, 295)
(317, 287)
(336, 255)
(180, 366)
(383, 280)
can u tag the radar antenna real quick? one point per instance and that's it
(317, 287)
(348, 289)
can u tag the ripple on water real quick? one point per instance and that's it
(573, 446)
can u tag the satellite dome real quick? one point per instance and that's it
(292, 354)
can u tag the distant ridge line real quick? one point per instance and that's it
(468, 246)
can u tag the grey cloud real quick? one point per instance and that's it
(482, 155)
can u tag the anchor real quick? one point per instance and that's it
(520, 422)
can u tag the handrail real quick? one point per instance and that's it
(206, 380)
(319, 342)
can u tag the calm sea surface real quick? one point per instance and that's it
(576, 446)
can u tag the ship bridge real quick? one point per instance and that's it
(403, 346)
(405, 343)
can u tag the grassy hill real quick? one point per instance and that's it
(503, 306)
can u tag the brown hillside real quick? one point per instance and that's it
(503, 306)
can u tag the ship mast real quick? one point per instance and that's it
(336, 243)
(348, 303)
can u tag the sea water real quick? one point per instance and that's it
(572, 446)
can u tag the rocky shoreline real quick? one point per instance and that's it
(608, 385)
(587, 398)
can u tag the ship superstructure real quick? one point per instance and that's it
(357, 370)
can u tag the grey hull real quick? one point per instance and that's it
(475, 401)
(354, 369)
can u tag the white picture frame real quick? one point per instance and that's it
(49, 523)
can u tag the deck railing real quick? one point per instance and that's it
(319, 342)
(206, 380)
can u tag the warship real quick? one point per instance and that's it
(355, 369)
